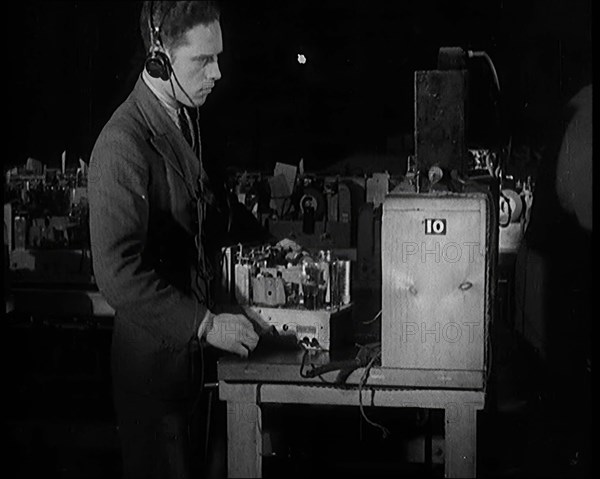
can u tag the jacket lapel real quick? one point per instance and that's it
(169, 148)
(167, 138)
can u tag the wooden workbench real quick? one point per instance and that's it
(59, 300)
(274, 377)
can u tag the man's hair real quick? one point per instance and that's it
(174, 19)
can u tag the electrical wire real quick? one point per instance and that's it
(363, 381)
(490, 63)
(370, 321)
(320, 376)
(311, 373)
(204, 272)
(303, 364)
(181, 88)
(487, 58)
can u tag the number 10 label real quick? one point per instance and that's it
(435, 226)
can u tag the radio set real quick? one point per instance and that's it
(295, 291)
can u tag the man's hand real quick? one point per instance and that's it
(261, 326)
(233, 333)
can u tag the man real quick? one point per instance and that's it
(155, 225)
(554, 277)
(573, 178)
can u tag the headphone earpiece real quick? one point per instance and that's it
(158, 64)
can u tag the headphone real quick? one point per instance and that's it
(157, 62)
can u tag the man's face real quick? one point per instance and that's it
(196, 64)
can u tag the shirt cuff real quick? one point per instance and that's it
(205, 325)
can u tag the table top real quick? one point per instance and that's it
(282, 363)
(64, 301)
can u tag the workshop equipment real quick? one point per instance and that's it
(438, 251)
(440, 113)
(46, 220)
(317, 329)
(299, 293)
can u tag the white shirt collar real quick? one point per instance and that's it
(165, 101)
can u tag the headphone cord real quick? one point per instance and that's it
(180, 87)
(202, 274)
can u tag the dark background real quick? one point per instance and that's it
(74, 62)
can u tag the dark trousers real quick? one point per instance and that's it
(161, 439)
(155, 435)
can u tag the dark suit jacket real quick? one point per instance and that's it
(142, 184)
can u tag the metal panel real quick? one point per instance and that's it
(321, 328)
(440, 110)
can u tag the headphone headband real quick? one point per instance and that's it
(157, 62)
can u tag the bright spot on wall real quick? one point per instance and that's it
(301, 59)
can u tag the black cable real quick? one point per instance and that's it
(490, 64)
(501, 116)
(320, 376)
(303, 364)
(332, 366)
(181, 88)
(363, 381)
(378, 315)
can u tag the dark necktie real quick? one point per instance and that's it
(204, 197)
(188, 123)
(187, 128)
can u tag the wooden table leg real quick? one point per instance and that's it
(244, 436)
(461, 440)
